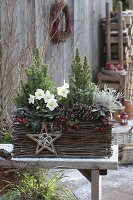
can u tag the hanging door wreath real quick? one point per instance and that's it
(56, 34)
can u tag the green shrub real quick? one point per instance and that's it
(39, 185)
(81, 86)
(37, 76)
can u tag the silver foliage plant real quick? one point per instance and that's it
(108, 97)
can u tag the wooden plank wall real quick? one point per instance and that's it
(30, 27)
(130, 73)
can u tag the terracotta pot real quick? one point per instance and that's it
(129, 108)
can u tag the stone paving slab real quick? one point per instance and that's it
(117, 185)
(119, 196)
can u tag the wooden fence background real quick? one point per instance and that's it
(24, 25)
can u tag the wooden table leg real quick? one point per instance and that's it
(96, 185)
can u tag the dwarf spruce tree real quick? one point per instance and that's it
(37, 77)
(81, 86)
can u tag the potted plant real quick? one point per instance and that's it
(66, 121)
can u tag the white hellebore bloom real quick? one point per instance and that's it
(31, 98)
(39, 94)
(63, 91)
(66, 84)
(52, 104)
(48, 96)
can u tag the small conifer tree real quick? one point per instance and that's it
(37, 77)
(81, 86)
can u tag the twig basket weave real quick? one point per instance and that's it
(83, 143)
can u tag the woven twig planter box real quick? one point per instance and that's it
(83, 143)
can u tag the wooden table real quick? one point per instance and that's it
(92, 168)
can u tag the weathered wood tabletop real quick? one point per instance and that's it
(91, 168)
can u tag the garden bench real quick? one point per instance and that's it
(91, 168)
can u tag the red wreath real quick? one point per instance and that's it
(57, 35)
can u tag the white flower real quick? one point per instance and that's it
(62, 91)
(48, 96)
(31, 98)
(39, 94)
(52, 104)
(66, 84)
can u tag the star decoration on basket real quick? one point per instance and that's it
(45, 140)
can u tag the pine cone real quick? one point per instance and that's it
(82, 111)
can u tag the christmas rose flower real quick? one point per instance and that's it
(62, 91)
(52, 104)
(31, 98)
(66, 84)
(39, 94)
(48, 96)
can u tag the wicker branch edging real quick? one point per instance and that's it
(83, 143)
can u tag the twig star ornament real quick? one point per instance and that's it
(45, 140)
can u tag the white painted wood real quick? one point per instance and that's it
(121, 134)
(124, 138)
(69, 163)
(96, 185)
(7, 147)
(127, 155)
